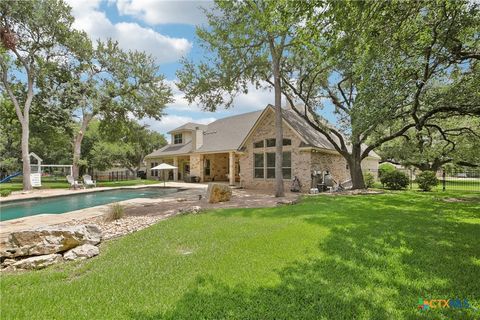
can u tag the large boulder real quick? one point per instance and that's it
(38, 262)
(85, 251)
(49, 240)
(217, 192)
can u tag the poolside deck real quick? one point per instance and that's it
(165, 206)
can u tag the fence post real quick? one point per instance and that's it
(443, 180)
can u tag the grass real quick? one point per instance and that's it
(115, 212)
(329, 257)
(50, 184)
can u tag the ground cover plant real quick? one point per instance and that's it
(329, 257)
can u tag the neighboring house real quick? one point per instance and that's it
(241, 149)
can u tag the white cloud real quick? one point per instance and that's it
(161, 12)
(130, 36)
(255, 99)
(170, 122)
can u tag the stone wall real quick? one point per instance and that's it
(196, 165)
(160, 173)
(300, 160)
(333, 163)
(218, 167)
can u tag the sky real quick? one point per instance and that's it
(166, 30)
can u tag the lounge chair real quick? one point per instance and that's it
(74, 183)
(88, 182)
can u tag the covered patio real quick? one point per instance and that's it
(200, 167)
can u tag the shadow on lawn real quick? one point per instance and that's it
(382, 255)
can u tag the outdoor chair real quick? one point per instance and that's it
(73, 183)
(88, 182)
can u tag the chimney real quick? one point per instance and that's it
(198, 138)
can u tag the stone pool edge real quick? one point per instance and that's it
(36, 195)
(30, 222)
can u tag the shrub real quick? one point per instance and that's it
(426, 180)
(117, 211)
(385, 168)
(5, 193)
(369, 179)
(395, 180)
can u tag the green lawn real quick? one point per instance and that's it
(329, 257)
(16, 186)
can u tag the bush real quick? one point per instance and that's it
(426, 180)
(395, 180)
(117, 211)
(5, 193)
(384, 168)
(369, 179)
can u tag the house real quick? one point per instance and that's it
(241, 150)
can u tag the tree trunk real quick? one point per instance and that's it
(27, 184)
(355, 165)
(279, 192)
(77, 145)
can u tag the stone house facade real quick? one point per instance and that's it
(241, 150)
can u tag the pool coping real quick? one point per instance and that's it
(31, 195)
(49, 219)
(85, 191)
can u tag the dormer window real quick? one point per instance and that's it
(177, 138)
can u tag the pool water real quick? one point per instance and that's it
(62, 204)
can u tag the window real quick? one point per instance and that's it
(270, 142)
(258, 165)
(270, 165)
(177, 138)
(258, 144)
(153, 173)
(207, 167)
(265, 164)
(287, 165)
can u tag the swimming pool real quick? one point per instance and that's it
(62, 204)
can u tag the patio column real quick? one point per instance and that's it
(202, 168)
(231, 168)
(175, 171)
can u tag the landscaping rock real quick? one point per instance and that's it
(193, 209)
(287, 202)
(85, 251)
(217, 192)
(8, 262)
(50, 240)
(39, 262)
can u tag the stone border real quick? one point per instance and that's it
(37, 194)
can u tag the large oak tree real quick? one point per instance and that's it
(386, 67)
(246, 43)
(36, 37)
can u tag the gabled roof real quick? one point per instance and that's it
(310, 136)
(172, 149)
(189, 126)
(228, 133)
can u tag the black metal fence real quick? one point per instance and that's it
(115, 176)
(468, 180)
(449, 179)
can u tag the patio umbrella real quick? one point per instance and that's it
(163, 167)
